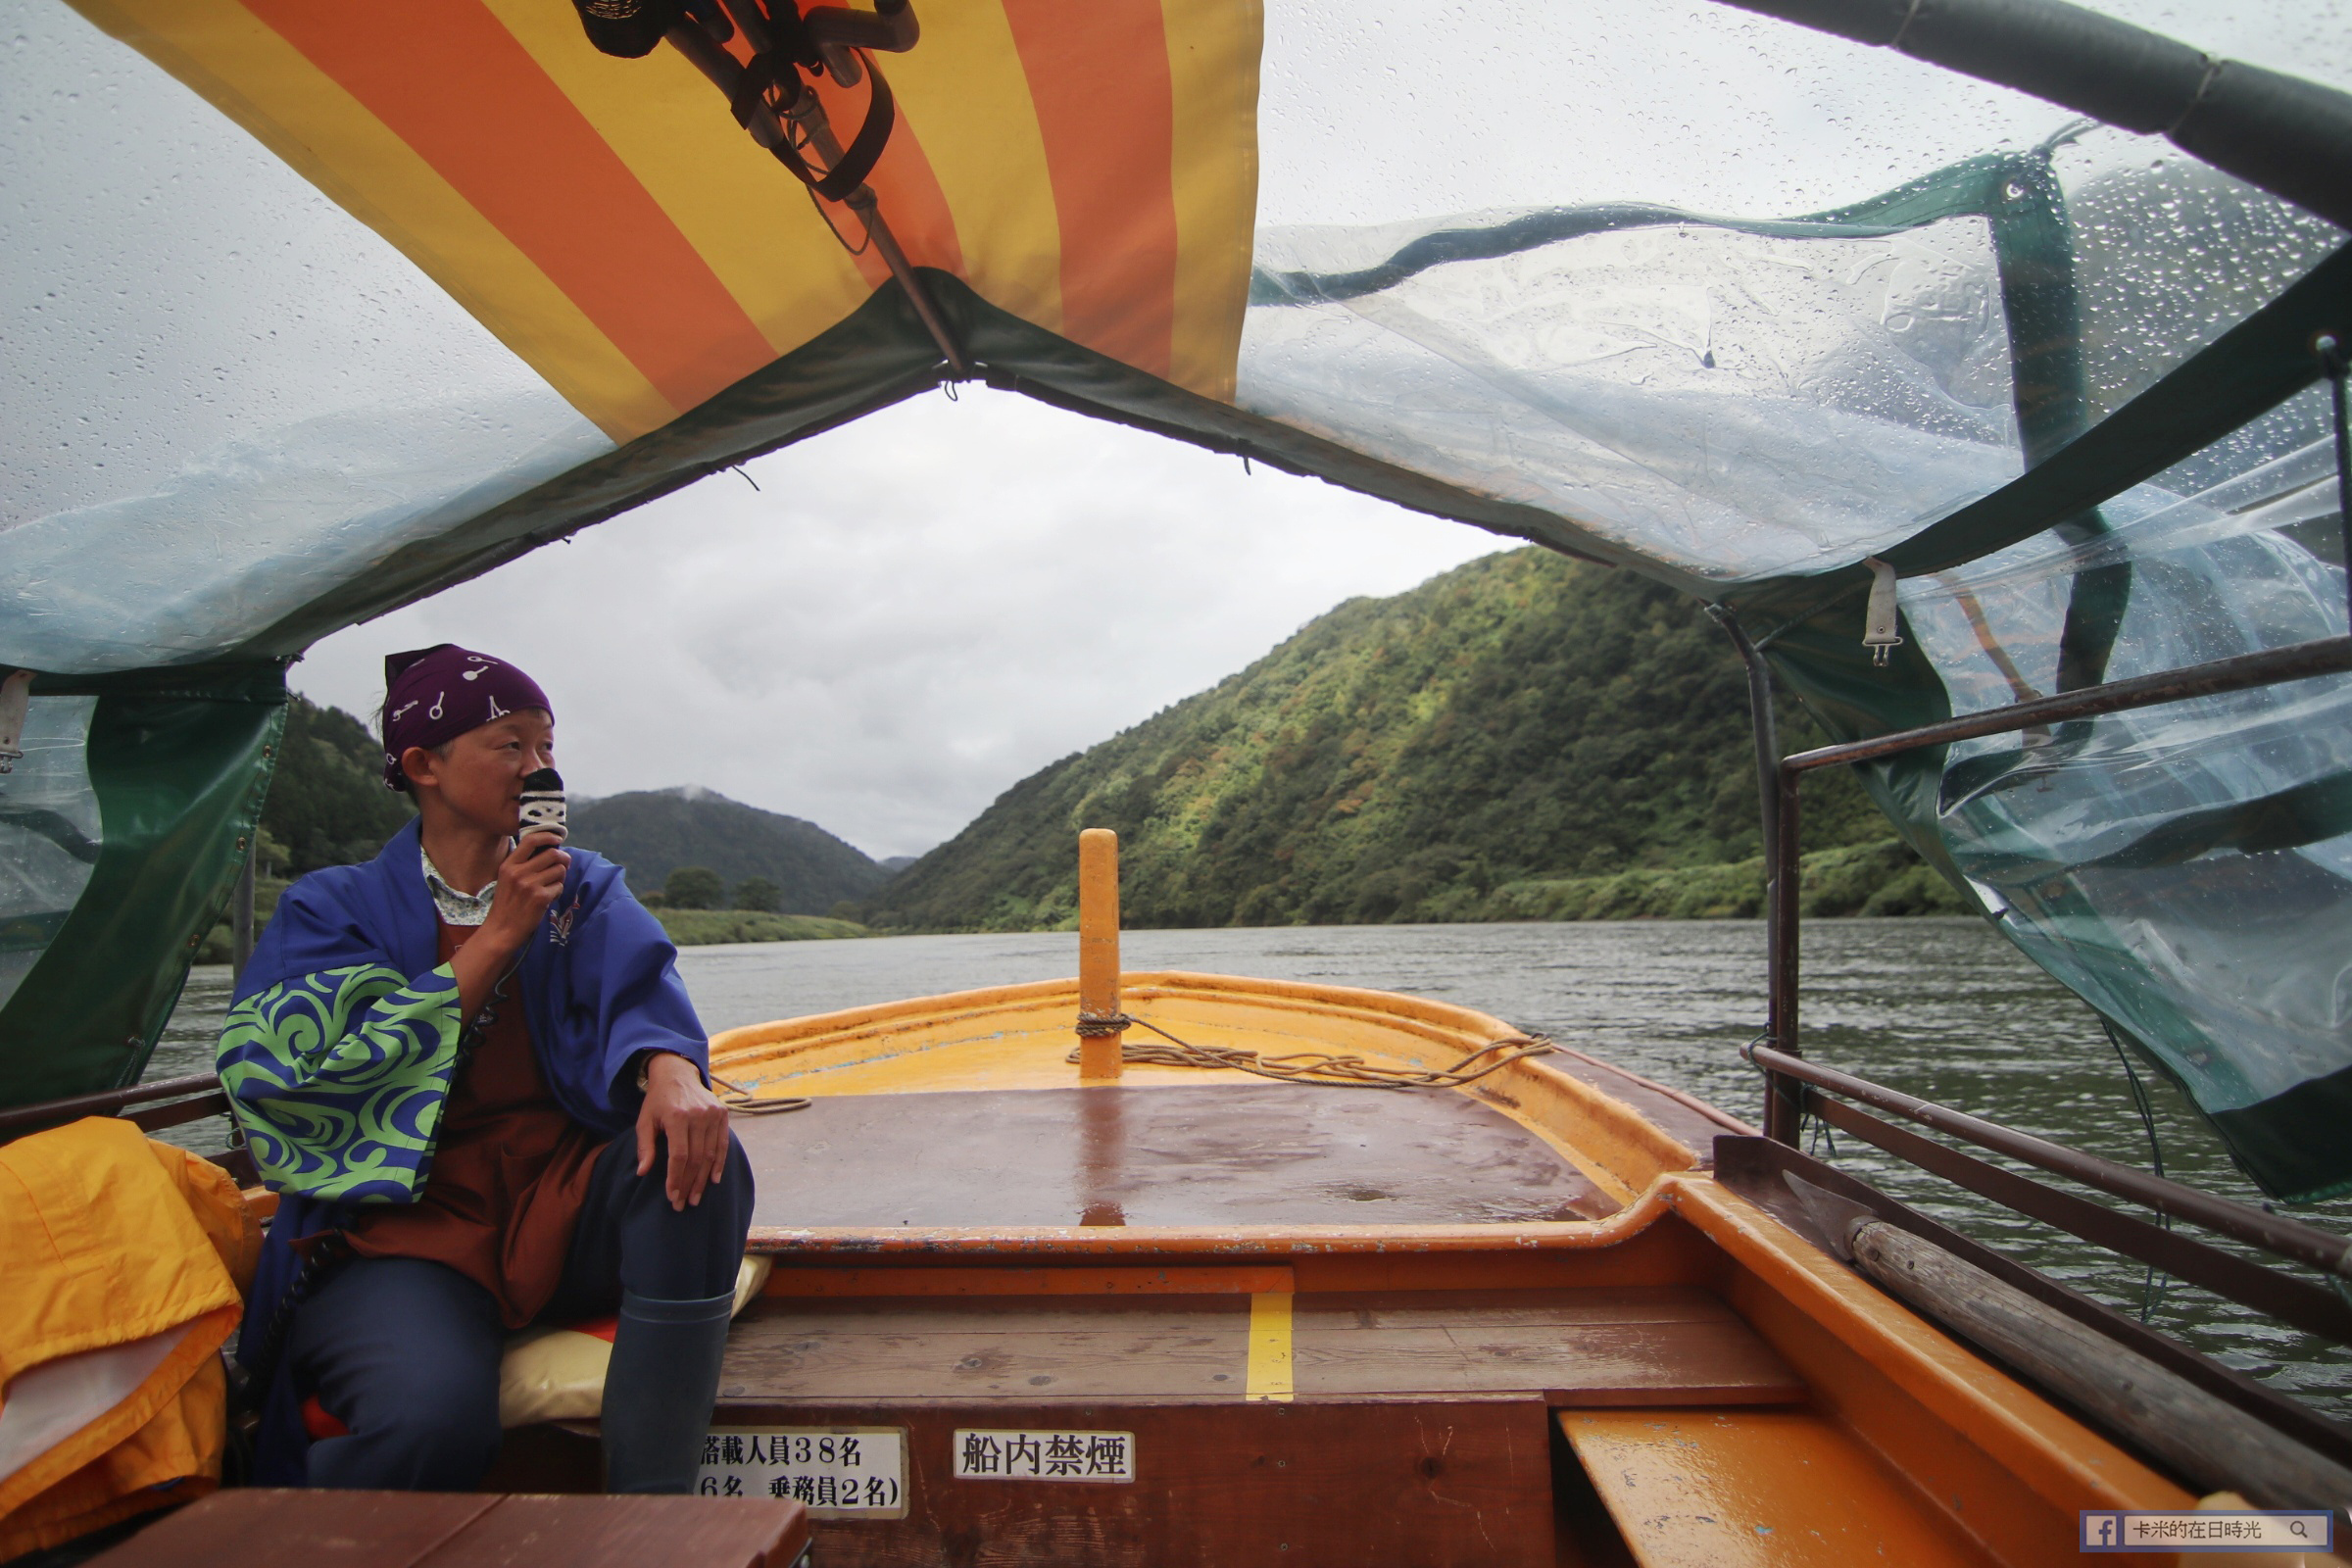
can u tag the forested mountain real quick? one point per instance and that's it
(327, 806)
(327, 803)
(1522, 723)
(655, 832)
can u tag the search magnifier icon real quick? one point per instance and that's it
(2296, 1525)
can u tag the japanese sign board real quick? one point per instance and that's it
(839, 1472)
(1044, 1455)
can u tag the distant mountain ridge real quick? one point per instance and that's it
(1477, 748)
(654, 832)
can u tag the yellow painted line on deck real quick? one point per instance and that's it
(1269, 1375)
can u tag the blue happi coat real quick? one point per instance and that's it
(343, 1037)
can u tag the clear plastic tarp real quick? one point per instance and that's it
(2186, 868)
(2168, 255)
(1739, 405)
(225, 396)
(245, 398)
(1746, 399)
(50, 833)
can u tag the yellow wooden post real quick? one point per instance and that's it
(1099, 1054)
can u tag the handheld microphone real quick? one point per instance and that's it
(543, 809)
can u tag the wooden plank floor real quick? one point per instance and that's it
(1591, 1348)
(1216, 1154)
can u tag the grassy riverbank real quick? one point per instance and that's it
(1875, 879)
(707, 928)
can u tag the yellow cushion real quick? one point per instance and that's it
(557, 1374)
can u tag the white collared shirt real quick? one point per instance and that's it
(456, 908)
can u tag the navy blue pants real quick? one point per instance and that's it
(406, 1352)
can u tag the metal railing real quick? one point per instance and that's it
(193, 1097)
(1795, 1087)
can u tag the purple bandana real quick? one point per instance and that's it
(437, 694)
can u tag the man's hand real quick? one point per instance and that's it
(529, 879)
(678, 1108)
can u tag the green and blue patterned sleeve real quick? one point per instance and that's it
(339, 1077)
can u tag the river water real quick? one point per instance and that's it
(1941, 1007)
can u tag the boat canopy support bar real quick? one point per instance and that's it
(2289, 136)
(1784, 1106)
(2325, 656)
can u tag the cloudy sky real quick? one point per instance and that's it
(910, 613)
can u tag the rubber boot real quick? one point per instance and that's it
(659, 1391)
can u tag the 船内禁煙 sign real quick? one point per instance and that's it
(1044, 1456)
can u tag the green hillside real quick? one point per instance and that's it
(655, 832)
(1495, 744)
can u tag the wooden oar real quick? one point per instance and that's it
(2214, 1445)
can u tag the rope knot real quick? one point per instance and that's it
(1096, 1025)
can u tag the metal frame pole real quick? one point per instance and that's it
(240, 910)
(2274, 1233)
(1784, 1103)
(1785, 1097)
(2321, 655)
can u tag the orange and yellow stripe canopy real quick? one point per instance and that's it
(1088, 166)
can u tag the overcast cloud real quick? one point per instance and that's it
(910, 613)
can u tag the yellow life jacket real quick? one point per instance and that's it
(125, 1262)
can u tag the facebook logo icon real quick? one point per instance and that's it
(2197, 1530)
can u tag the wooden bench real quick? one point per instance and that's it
(1627, 1346)
(1756, 1488)
(242, 1528)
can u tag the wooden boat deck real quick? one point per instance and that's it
(1227, 1153)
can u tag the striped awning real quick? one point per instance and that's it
(1088, 166)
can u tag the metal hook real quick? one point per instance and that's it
(1879, 622)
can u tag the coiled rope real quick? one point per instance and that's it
(1305, 1066)
(741, 1101)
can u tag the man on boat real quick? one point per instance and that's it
(471, 1070)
